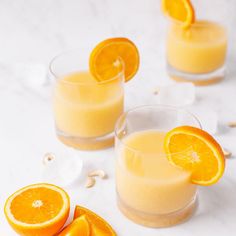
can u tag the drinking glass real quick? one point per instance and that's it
(85, 110)
(150, 190)
(196, 54)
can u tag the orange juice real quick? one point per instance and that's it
(85, 108)
(151, 191)
(199, 49)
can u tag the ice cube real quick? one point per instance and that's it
(179, 94)
(207, 117)
(61, 168)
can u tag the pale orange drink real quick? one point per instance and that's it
(88, 94)
(162, 155)
(196, 49)
(86, 109)
(162, 188)
(150, 190)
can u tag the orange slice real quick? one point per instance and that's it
(180, 10)
(99, 226)
(196, 151)
(39, 209)
(79, 227)
(113, 55)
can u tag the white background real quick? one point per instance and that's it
(32, 32)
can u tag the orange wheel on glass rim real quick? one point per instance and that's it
(99, 227)
(179, 10)
(113, 55)
(38, 209)
(197, 152)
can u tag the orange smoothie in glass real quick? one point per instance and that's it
(85, 108)
(161, 187)
(196, 49)
(199, 49)
(88, 93)
(162, 155)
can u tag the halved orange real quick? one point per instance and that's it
(179, 10)
(79, 227)
(196, 151)
(99, 227)
(39, 209)
(113, 55)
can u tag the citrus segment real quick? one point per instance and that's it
(180, 10)
(98, 225)
(39, 209)
(79, 227)
(196, 151)
(111, 56)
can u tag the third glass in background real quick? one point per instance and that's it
(197, 54)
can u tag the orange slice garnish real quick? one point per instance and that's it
(79, 227)
(99, 227)
(196, 151)
(179, 10)
(113, 55)
(39, 209)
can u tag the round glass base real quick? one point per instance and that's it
(158, 220)
(82, 143)
(197, 79)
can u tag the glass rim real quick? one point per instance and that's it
(197, 23)
(173, 108)
(56, 76)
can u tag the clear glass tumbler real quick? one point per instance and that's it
(196, 54)
(85, 110)
(150, 190)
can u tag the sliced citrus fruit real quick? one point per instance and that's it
(112, 55)
(180, 10)
(39, 209)
(196, 151)
(79, 227)
(99, 226)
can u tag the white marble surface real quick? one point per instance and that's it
(32, 32)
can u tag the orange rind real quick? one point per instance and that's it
(39, 209)
(112, 56)
(79, 227)
(99, 227)
(196, 151)
(179, 10)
